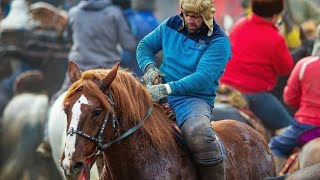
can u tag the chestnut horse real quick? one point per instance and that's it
(110, 112)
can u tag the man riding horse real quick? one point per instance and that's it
(195, 53)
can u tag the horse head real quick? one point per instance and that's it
(101, 107)
(88, 107)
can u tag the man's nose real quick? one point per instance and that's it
(190, 20)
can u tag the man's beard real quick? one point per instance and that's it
(196, 29)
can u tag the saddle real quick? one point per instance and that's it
(229, 95)
(171, 115)
(292, 163)
(308, 135)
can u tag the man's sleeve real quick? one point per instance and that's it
(149, 46)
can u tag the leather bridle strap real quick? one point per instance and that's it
(98, 139)
(115, 124)
(102, 147)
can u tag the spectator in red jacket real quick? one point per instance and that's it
(301, 92)
(259, 56)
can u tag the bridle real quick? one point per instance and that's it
(115, 124)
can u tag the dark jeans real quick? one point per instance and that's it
(202, 141)
(283, 145)
(269, 109)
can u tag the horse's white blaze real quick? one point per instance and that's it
(71, 139)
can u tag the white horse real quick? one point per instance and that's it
(21, 128)
(57, 134)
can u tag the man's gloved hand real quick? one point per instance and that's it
(159, 91)
(152, 76)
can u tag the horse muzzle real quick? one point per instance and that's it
(72, 170)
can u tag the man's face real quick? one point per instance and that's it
(193, 22)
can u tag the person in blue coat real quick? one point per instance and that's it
(142, 21)
(195, 53)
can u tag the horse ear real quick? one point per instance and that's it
(74, 71)
(111, 76)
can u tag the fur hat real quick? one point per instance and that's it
(316, 45)
(205, 8)
(267, 8)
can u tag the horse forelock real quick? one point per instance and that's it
(89, 83)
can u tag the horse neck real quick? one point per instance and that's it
(138, 159)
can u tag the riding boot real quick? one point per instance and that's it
(279, 162)
(212, 172)
(205, 147)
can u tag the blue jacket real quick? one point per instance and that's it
(192, 64)
(142, 23)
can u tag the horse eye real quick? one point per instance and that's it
(96, 113)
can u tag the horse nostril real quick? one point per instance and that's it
(77, 167)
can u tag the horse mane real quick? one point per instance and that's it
(132, 101)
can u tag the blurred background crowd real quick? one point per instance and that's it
(40, 37)
(25, 26)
